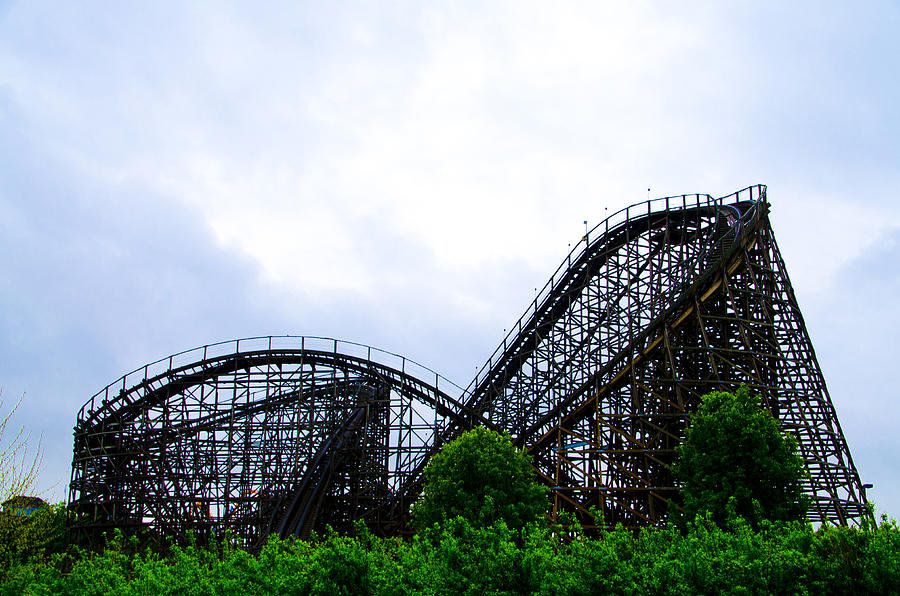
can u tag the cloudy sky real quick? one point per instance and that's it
(404, 174)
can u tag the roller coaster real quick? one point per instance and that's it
(657, 305)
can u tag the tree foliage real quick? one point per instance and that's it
(18, 464)
(483, 478)
(735, 462)
(21, 535)
(458, 558)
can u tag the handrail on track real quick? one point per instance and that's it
(754, 194)
(272, 342)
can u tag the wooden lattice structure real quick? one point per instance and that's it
(659, 304)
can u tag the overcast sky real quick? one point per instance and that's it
(405, 174)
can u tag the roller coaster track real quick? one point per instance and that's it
(659, 304)
(299, 517)
(257, 436)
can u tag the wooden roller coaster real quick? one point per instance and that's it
(661, 303)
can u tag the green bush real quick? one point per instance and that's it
(460, 557)
(735, 463)
(23, 538)
(482, 478)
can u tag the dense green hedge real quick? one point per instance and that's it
(458, 558)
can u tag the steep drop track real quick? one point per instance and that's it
(659, 304)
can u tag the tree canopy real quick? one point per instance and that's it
(18, 464)
(483, 478)
(735, 461)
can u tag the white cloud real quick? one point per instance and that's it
(820, 234)
(409, 173)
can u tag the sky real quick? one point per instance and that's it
(405, 174)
